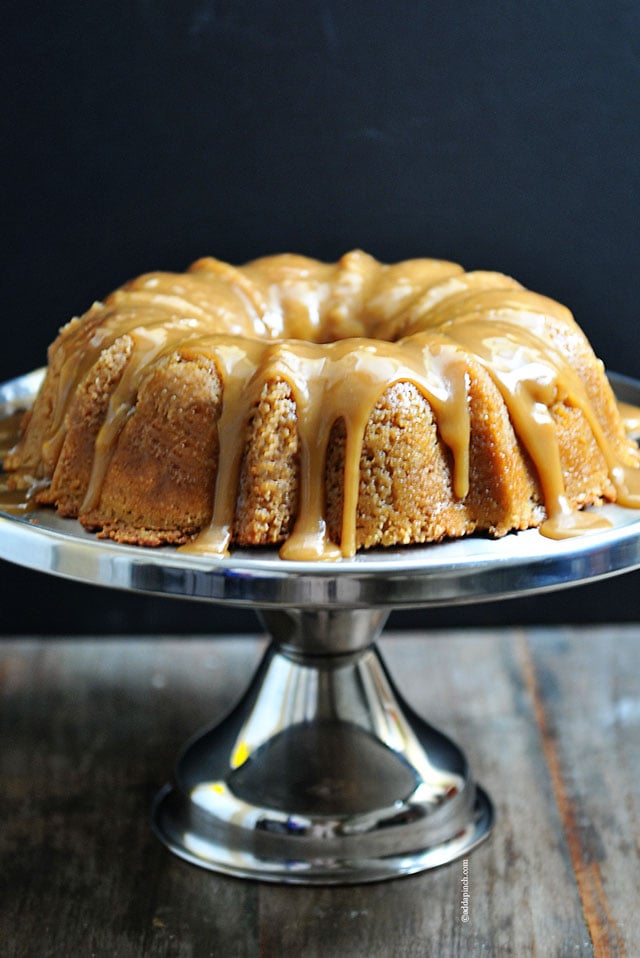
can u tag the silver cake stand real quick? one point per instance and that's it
(322, 774)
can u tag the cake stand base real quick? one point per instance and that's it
(321, 774)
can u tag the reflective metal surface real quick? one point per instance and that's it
(322, 774)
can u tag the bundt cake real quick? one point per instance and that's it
(326, 408)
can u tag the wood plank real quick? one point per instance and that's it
(586, 690)
(90, 730)
(93, 729)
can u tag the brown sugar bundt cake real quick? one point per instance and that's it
(324, 407)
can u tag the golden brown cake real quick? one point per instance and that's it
(326, 408)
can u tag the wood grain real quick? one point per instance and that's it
(90, 728)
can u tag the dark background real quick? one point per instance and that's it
(141, 135)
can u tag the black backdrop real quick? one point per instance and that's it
(142, 135)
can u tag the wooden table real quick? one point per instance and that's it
(550, 719)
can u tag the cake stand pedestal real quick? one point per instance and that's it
(322, 774)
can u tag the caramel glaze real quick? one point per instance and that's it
(340, 336)
(17, 492)
(10, 428)
(630, 416)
